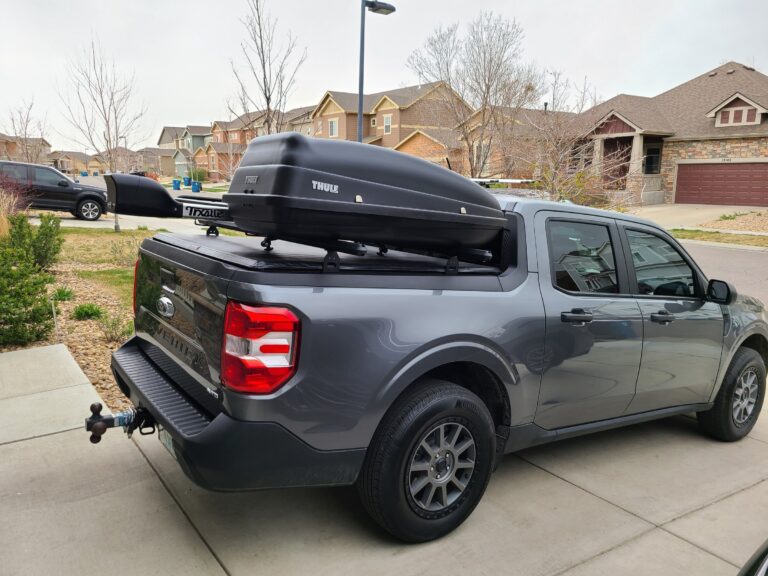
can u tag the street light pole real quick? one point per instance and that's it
(377, 8)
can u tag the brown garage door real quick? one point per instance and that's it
(741, 184)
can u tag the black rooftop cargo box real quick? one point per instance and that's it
(292, 187)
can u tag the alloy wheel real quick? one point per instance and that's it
(441, 466)
(745, 396)
(89, 210)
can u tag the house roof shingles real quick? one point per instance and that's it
(403, 97)
(682, 110)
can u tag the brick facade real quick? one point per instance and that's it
(716, 150)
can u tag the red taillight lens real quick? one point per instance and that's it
(135, 276)
(260, 348)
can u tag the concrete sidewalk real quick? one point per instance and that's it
(656, 498)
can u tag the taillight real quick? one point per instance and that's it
(260, 347)
(135, 276)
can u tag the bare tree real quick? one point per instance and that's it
(28, 131)
(487, 83)
(101, 106)
(557, 147)
(270, 69)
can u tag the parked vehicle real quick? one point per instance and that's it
(408, 373)
(49, 189)
(757, 565)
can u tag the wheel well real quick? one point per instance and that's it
(758, 343)
(480, 381)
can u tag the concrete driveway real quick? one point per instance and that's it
(689, 215)
(656, 498)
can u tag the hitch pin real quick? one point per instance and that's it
(129, 420)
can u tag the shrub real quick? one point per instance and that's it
(62, 294)
(42, 244)
(11, 201)
(115, 329)
(124, 251)
(198, 174)
(154, 175)
(25, 312)
(88, 311)
(142, 227)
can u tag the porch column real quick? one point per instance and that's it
(636, 159)
(597, 153)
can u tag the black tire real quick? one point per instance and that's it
(385, 481)
(89, 209)
(721, 421)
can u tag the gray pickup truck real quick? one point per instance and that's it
(410, 382)
(400, 328)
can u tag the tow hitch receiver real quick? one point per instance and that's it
(130, 420)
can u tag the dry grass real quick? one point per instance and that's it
(713, 236)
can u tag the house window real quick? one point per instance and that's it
(387, 123)
(373, 122)
(333, 128)
(212, 162)
(653, 161)
(309, 130)
(741, 116)
(235, 137)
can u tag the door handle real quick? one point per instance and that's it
(577, 317)
(662, 317)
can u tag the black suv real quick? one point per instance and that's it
(51, 190)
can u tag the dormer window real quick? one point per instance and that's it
(738, 110)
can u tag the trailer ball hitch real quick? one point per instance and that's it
(130, 420)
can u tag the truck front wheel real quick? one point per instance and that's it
(739, 400)
(429, 462)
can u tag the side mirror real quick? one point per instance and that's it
(63, 183)
(721, 292)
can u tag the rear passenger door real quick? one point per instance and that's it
(593, 323)
(683, 333)
(48, 193)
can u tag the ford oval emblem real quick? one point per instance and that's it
(165, 306)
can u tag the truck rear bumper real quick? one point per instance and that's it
(218, 452)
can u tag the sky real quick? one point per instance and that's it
(180, 51)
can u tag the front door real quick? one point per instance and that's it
(683, 333)
(593, 324)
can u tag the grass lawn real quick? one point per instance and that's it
(99, 246)
(118, 280)
(710, 236)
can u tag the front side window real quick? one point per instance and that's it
(333, 128)
(45, 176)
(582, 257)
(387, 123)
(661, 269)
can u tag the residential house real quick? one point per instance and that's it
(169, 137)
(35, 150)
(158, 160)
(704, 141)
(68, 161)
(388, 117)
(299, 120)
(193, 137)
(183, 162)
(222, 158)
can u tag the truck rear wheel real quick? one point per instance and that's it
(738, 403)
(429, 462)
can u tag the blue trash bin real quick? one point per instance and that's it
(83, 173)
(176, 184)
(187, 180)
(95, 172)
(196, 186)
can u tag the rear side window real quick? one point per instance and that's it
(45, 176)
(660, 269)
(582, 257)
(13, 172)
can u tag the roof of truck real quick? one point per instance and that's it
(510, 203)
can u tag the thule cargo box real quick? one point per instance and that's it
(292, 187)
